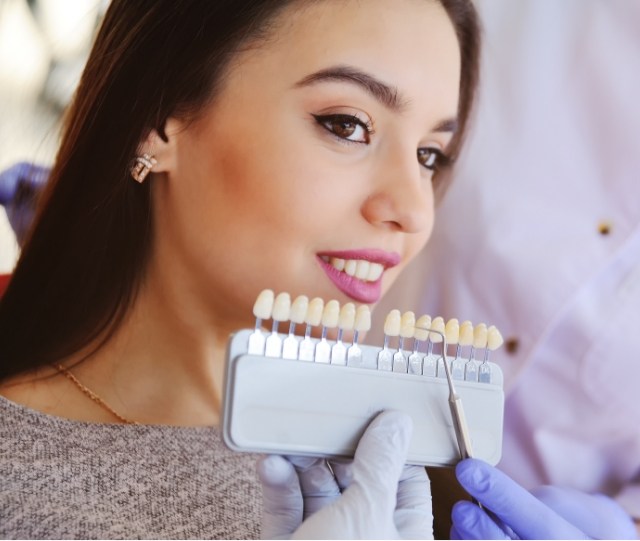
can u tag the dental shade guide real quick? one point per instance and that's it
(407, 330)
(297, 316)
(452, 333)
(346, 322)
(273, 403)
(312, 319)
(391, 329)
(362, 324)
(436, 337)
(330, 316)
(262, 310)
(280, 312)
(466, 340)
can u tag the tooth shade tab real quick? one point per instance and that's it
(330, 314)
(392, 323)
(423, 323)
(314, 312)
(363, 319)
(494, 338)
(408, 325)
(480, 336)
(264, 304)
(299, 309)
(347, 318)
(452, 331)
(466, 333)
(437, 325)
(281, 307)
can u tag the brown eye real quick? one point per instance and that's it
(431, 158)
(346, 127)
(343, 128)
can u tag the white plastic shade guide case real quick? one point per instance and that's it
(293, 407)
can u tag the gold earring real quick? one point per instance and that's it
(142, 167)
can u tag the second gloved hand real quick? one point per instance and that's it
(374, 497)
(547, 513)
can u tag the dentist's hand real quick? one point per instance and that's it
(546, 513)
(374, 497)
(20, 186)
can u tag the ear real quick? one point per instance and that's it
(162, 146)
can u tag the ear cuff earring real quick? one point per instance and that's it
(142, 167)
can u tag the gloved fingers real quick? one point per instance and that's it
(343, 472)
(413, 516)
(381, 455)
(472, 522)
(281, 496)
(317, 482)
(596, 515)
(454, 534)
(527, 516)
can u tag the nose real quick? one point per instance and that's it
(402, 198)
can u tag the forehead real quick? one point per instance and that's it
(409, 43)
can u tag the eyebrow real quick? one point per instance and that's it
(385, 93)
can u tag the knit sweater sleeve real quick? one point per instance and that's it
(62, 479)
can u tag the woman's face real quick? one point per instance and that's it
(312, 171)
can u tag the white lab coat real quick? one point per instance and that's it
(553, 158)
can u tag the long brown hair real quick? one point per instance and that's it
(83, 263)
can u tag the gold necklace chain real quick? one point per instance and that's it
(93, 396)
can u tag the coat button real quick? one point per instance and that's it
(511, 345)
(604, 228)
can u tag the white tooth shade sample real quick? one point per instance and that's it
(437, 325)
(264, 304)
(299, 309)
(494, 338)
(423, 323)
(281, 307)
(392, 323)
(452, 331)
(363, 319)
(480, 336)
(466, 333)
(347, 318)
(408, 325)
(330, 314)
(314, 312)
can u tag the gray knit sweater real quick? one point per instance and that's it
(67, 479)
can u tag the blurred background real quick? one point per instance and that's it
(43, 47)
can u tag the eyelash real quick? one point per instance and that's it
(436, 158)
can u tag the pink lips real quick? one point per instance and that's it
(359, 290)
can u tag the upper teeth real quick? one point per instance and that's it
(359, 268)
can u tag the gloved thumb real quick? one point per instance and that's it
(378, 464)
(282, 499)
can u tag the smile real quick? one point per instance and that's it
(359, 268)
(358, 273)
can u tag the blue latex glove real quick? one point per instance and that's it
(20, 186)
(374, 497)
(546, 513)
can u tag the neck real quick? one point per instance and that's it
(165, 365)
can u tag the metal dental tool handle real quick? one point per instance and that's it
(455, 404)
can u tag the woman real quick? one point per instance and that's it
(266, 139)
